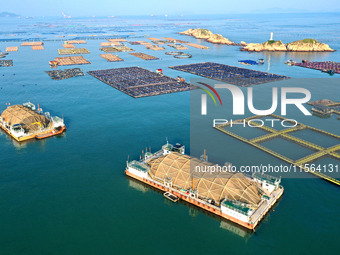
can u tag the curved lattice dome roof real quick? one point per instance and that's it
(233, 186)
(29, 119)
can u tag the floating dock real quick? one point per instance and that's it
(322, 66)
(143, 56)
(74, 60)
(111, 58)
(138, 82)
(64, 74)
(318, 153)
(6, 63)
(230, 74)
(73, 51)
(232, 196)
(25, 122)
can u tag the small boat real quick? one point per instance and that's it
(54, 132)
(329, 71)
(171, 196)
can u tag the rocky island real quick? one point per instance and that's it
(200, 33)
(305, 45)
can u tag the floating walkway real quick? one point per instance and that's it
(138, 82)
(230, 74)
(319, 151)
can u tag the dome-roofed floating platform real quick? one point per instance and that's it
(25, 122)
(230, 195)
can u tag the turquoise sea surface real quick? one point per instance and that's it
(69, 195)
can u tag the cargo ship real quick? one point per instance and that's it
(26, 122)
(242, 199)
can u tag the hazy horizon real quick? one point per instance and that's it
(77, 8)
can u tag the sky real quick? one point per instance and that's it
(160, 7)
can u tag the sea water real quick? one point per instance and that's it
(69, 194)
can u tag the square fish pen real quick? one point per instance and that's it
(32, 44)
(73, 51)
(143, 56)
(6, 63)
(111, 58)
(76, 42)
(198, 46)
(74, 60)
(242, 77)
(68, 46)
(64, 74)
(288, 134)
(116, 49)
(138, 82)
(11, 49)
(37, 47)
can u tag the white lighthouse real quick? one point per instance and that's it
(271, 36)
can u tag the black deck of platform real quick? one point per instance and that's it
(139, 82)
(242, 77)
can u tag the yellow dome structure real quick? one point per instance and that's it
(30, 120)
(219, 186)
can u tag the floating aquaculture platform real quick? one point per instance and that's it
(325, 107)
(32, 44)
(11, 49)
(143, 56)
(154, 47)
(244, 200)
(73, 51)
(68, 46)
(65, 74)
(76, 42)
(105, 44)
(178, 46)
(302, 163)
(26, 122)
(117, 40)
(111, 58)
(198, 46)
(174, 40)
(138, 82)
(74, 60)
(6, 63)
(37, 47)
(230, 74)
(327, 66)
(116, 49)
